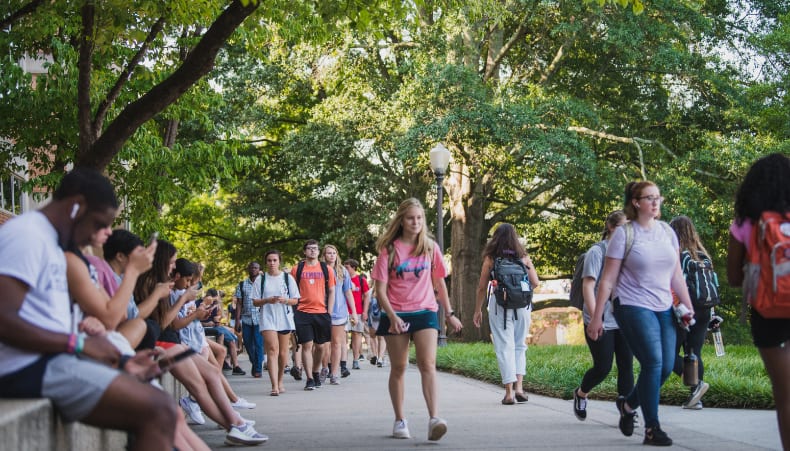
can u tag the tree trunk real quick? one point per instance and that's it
(468, 234)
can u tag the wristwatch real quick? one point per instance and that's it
(450, 313)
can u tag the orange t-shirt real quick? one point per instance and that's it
(312, 288)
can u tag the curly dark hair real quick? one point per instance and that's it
(504, 243)
(766, 187)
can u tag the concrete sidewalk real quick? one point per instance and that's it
(357, 415)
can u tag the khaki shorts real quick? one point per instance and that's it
(359, 327)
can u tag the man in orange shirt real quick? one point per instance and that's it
(312, 319)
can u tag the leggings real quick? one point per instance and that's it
(610, 344)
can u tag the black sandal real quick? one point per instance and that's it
(521, 398)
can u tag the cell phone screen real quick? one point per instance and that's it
(153, 238)
(167, 362)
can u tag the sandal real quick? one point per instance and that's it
(507, 402)
(274, 393)
(521, 398)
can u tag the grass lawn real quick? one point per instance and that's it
(737, 379)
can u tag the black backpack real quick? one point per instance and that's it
(701, 280)
(512, 289)
(577, 294)
(325, 270)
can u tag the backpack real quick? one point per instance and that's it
(374, 311)
(511, 286)
(701, 280)
(577, 294)
(324, 269)
(767, 272)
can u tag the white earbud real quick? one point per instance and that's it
(74, 209)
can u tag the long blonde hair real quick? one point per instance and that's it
(394, 230)
(338, 266)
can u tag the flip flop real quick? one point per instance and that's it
(521, 398)
(274, 393)
(508, 402)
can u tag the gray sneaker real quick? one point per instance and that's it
(696, 394)
(323, 375)
(334, 380)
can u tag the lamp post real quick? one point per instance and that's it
(440, 158)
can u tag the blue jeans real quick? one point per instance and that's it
(253, 343)
(651, 336)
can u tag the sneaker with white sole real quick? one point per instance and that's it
(334, 380)
(696, 394)
(323, 374)
(579, 406)
(242, 403)
(244, 435)
(192, 409)
(697, 406)
(437, 427)
(401, 429)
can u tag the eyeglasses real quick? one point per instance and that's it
(311, 248)
(653, 199)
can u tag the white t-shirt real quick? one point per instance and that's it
(278, 316)
(29, 252)
(646, 275)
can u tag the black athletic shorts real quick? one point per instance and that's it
(769, 332)
(316, 327)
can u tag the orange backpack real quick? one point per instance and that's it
(767, 273)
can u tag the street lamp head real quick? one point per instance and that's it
(440, 158)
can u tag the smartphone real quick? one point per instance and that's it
(152, 238)
(166, 362)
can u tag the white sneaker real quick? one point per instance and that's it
(249, 422)
(400, 429)
(242, 403)
(192, 409)
(244, 435)
(436, 428)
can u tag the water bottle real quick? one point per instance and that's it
(718, 343)
(690, 371)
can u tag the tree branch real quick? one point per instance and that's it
(84, 69)
(520, 32)
(21, 12)
(199, 62)
(104, 106)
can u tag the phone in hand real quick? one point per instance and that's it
(166, 363)
(152, 238)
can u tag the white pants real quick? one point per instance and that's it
(510, 339)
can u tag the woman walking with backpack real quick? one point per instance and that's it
(510, 342)
(641, 270)
(409, 280)
(694, 255)
(765, 189)
(612, 343)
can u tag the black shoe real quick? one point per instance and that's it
(626, 419)
(238, 371)
(344, 372)
(226, 367)
(296, 372)
(310, 385)
(579, 405)
(373, 360)
(656, 437)
(317, 380)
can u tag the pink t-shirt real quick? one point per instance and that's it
(410, 283)
(743, 232)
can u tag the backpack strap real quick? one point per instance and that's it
(325, 270)
(287, 285)
(299, 269)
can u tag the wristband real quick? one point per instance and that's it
(80, 344)
(72, 344)
(122, 361)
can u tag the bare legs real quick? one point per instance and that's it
(140, 408)
(777, 365)
(276, 347)
(338, 340)
(425, 346)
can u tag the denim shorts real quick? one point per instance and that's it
(423, 319)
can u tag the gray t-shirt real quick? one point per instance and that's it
(646, 275)
(593, 265)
